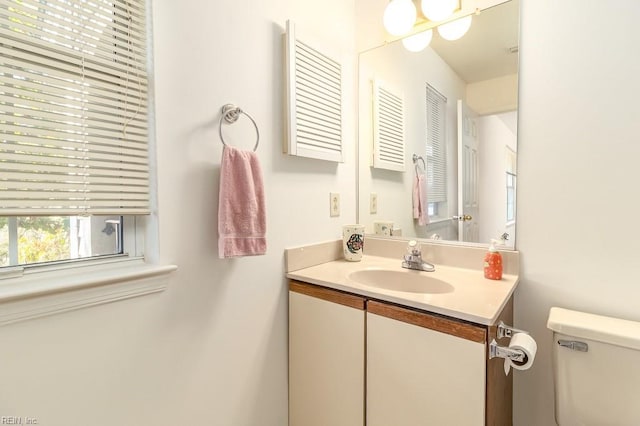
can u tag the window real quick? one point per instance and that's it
(511, 197)
(35, 239)
(511, 171)
(74, 169)
(436, 150)
(432, 209)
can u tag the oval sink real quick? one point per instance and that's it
(407, 281)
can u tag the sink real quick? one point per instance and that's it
(407, 281)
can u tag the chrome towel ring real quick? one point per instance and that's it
(417, 158)
(230, 114)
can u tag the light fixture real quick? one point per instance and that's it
(399, 17)
(455, 29)
(438, 10)
(417, 42)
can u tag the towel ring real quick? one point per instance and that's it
(230, 114)
(417, 158)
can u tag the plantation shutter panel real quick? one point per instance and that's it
(436, 146)
(388, 129)
(73, 107)
(314, 101)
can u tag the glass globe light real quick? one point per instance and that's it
(438, 10)
(399, 17)
(418, 42)
(455, 29)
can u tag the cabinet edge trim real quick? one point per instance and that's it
(330, 295)
(428, 320)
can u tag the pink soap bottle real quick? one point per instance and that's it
(493, 263)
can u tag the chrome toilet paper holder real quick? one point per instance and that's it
(497, 351)
(505, 330)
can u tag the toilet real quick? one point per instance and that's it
(596, 367)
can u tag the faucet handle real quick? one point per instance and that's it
(413, 247)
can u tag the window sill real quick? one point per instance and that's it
(45, 293)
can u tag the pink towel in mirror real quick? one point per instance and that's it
(420, 208)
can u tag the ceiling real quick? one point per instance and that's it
(486, 51)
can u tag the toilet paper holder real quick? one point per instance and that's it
(497, 351)
(505, 330)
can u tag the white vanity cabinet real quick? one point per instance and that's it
(360, 361)
(326, 357)
(423, 370)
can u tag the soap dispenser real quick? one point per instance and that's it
(493, 263)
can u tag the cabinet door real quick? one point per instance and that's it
(326, 357)
(419, 376)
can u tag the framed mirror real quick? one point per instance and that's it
(455, 134)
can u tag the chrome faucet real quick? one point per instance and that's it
(413, 259)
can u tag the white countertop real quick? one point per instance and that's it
(474, 297)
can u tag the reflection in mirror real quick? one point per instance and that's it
(455, 113)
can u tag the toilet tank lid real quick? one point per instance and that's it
(604, 329)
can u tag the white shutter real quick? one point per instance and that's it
(73, 107)
(388, 129)
(314, 101)
(436, 146)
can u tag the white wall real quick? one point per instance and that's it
(493, 96)
(578, 150)
(496, 133)
(212, 349)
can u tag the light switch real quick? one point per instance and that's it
(373, 203)
(334, 204)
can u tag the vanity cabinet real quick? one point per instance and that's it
(326, 357)
(356, 361)
(423, 369)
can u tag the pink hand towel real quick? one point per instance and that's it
(416, 198)
(242, 222)
(420, 209)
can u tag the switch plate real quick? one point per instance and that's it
(373, 203)
(334, 204)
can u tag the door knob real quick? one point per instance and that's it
(462, 218)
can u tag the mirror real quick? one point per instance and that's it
(459, 118)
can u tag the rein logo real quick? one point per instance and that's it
(18, 420)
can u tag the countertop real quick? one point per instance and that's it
(474, 297)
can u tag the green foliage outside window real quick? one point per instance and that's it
(40, 239)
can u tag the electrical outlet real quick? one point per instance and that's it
(334, 204)
(373, 203)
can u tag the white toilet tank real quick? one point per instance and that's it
(596, 363)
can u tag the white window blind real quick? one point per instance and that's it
(436, 146)
(73, 107)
